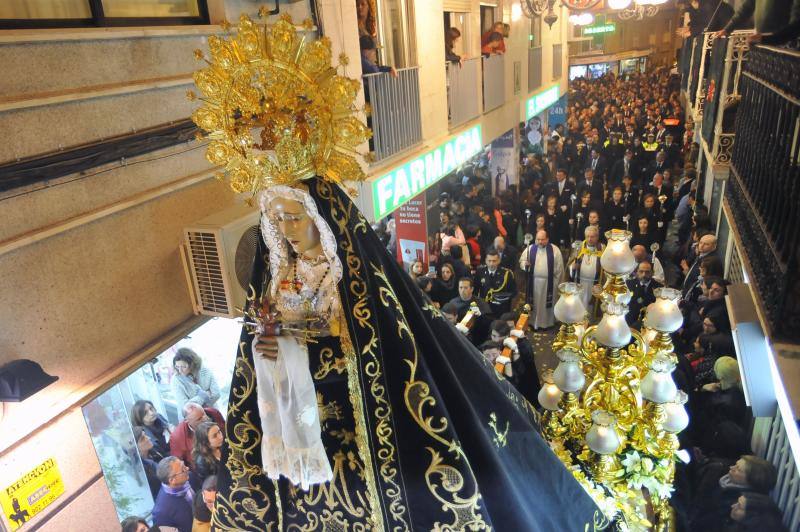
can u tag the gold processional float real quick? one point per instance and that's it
(612, 411)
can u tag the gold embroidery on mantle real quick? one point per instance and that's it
(418, 397)
(500, 439)
(328, 363)
(234, 510)
(384, 436)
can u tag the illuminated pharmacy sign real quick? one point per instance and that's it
(602, 28)
(397, 187)
(541, 101)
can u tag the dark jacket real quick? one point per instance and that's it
(172, 510)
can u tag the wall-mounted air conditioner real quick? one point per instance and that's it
(218, 255)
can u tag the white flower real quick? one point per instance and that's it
(631, 461)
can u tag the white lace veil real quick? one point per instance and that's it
(277, 244)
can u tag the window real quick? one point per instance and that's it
(535, 37)
(128, 469)
(77, 13)
(395, 31)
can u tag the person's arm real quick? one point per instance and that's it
(782, 36)
(459, 237)
(213, 388)
(180, 394)
(743, 13)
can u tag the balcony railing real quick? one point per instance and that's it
(395, 119)
(763, 191)
(494, 82)
(534, 68)
(463, 100)
(723, 69)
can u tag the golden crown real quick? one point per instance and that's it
(275, 110)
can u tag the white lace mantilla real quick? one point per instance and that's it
(292, 443)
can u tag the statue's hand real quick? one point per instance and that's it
(267, 346)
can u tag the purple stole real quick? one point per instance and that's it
(532, 261)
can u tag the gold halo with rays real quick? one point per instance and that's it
(275, 110)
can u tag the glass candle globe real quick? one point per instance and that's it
(663, 314)
(657, 385)
(568, 375)
(613, 330)
(549, 395)
(677, 417)
(602, 437)
(617, 258)
(569, 308)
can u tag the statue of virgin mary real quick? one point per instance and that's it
(354, 404)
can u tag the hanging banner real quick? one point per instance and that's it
(504, 162)
(31, 493)
(558, 113)
(412, 231)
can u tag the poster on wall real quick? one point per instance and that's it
(504, 162)
(533, 135)
(31, 493)
(558, 113)
(412, 231)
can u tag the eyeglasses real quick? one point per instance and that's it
(184, 469)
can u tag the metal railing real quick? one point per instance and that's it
(763, 190)
(463, 100)
(534, 68)
(494, 82)
(395, 118)
(786, 493)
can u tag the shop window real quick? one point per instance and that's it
(108, 417)
(76, 13)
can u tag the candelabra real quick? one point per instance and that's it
(611, 406)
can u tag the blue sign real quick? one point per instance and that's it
(558, 113)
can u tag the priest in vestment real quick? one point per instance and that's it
(544, 269)
(585, 267)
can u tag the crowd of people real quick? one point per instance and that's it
(621, 161)
(180, 461)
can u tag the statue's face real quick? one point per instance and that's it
(295, 224)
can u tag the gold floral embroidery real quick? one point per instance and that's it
(418, 398)
(500, 439)
(329, 363)
(367, 358)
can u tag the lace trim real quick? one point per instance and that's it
(276, 243)
(303, 467)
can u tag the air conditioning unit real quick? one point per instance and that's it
(218, 254)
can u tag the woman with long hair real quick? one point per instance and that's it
(144, 445)
(366, 19)
(445, 286)
(154, 425)
(192, 382)
(207, 450)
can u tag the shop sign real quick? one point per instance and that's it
(541, 101)
(412, 231)
(602, 28)
(558, 113)
(31, 493)
(393, 189)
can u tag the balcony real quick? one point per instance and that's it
(395, 119)
(462, 91)
(762, 195)
(494, 82)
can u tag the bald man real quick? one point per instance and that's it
(640, 253)
(544, 269)
(584, 267)
(707, 245)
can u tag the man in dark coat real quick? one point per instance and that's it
(173, 505)
(496, 284)
(643, 292)
(594, 186)
(622, 167)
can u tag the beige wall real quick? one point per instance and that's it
(656, 32)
